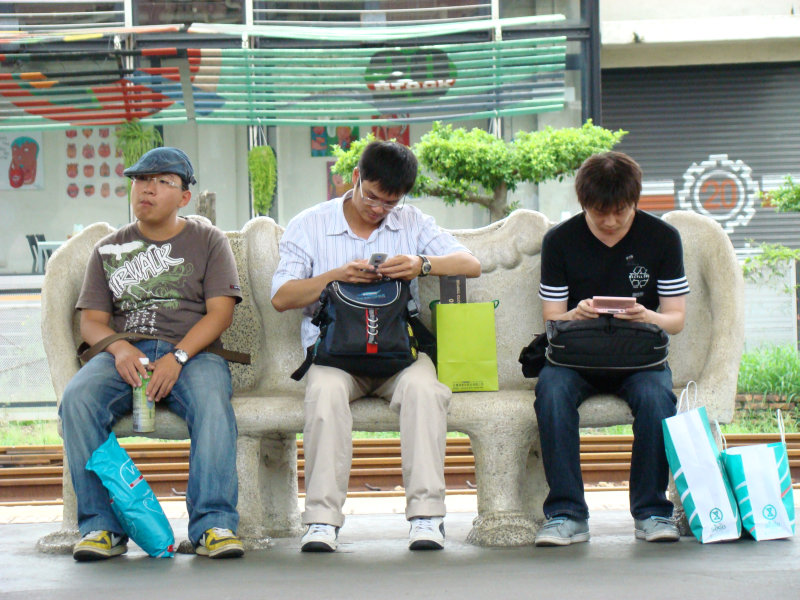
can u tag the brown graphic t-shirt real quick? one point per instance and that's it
(159, 288)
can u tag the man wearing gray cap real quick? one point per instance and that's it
(170, 285)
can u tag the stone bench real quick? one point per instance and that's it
(501, 425)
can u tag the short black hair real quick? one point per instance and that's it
(608, 181)
(393, 166)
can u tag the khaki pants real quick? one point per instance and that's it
(422, 402)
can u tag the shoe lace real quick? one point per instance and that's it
(662, 520)
(93, 535)
(554, 522)
(318, 528)
(97, 534)
(424, 525)
(221, 532)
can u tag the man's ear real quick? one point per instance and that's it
(354, 179)
(185, 198)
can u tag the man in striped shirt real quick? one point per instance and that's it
(611, 248)
(332, 241)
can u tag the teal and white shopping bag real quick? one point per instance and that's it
(762, 483)
(696, 466)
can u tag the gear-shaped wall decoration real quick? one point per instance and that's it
(721, 189)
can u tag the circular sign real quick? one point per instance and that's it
(721, 189)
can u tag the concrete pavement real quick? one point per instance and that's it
(373, 562)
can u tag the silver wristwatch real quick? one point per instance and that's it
(180, 356)
(425, 267)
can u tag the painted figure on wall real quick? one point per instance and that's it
(22, 169)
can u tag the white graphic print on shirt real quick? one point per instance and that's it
(639, 277)
(143, 280)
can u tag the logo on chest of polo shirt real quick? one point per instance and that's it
(639, 277)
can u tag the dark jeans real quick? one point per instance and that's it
(559, 393)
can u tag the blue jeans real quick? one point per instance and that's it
(97, 397)
(559, 393)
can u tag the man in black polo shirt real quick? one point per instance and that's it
(610, 249)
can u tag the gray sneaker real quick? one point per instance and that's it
(657, 529)
(562, 531)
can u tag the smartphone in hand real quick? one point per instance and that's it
(377, 259)
(612, 304)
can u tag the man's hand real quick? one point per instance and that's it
(299, 293)
(358, 271)
(402, 266)
(126, 359)
(584, 311)
(164, 374)
(638, 313)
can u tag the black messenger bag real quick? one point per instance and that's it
(606, 344)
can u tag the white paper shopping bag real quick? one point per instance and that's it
(761, 480)
(694, 460)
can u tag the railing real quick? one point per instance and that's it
(47, 15)
(336, 13)
(51, 15)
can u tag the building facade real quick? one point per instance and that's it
(217, 78)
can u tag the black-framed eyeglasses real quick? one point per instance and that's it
(376, 203)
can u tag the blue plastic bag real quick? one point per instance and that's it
(132, 499)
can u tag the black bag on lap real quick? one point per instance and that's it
(596, 345)
(364, 329)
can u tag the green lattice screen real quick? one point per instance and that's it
(347, 86)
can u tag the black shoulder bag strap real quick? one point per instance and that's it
(316, 320)
(86, 352)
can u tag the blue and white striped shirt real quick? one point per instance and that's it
(319, 239)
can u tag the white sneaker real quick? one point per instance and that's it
(427, 533)
(319, 537)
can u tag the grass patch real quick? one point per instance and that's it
(762, 421)
(29, 433)
(771, 370)
(611, 430)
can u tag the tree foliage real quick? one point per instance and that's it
(786, 198)
(475, 167)
(774, 259)
(263, 176)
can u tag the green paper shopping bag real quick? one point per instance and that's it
(696, 466)
(467, 346)
(760, 478)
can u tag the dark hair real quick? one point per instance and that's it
(609, 181)
(393, 166)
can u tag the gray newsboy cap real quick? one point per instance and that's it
(163, 160)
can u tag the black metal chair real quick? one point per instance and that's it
(31, 237)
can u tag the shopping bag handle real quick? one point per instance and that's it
(721, 436)
(779, 416)
(689, 403)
